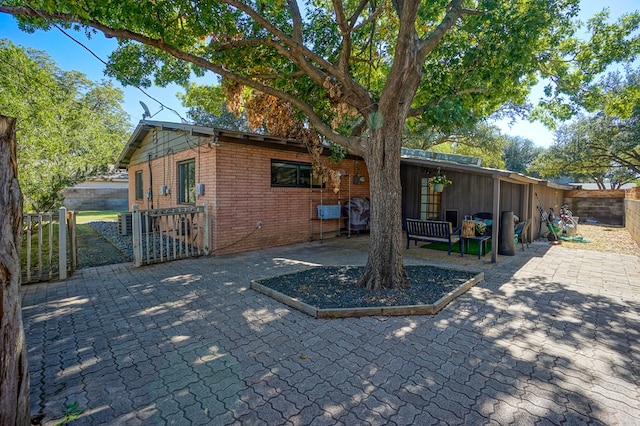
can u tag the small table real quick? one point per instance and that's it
(482, 244)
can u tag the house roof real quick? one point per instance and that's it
(146, 126)
(591, 186)
(409, 156)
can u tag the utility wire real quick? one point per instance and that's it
(124, 78)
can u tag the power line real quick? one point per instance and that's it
(121, 77)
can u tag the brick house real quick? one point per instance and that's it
(260, 190)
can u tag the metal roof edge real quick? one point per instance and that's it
(144, 126)
(495, 173)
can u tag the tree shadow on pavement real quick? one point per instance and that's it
(190, 340)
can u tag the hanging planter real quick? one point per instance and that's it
(439, 182)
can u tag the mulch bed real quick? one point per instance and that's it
(335, 287)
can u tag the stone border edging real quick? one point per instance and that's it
(430, 309)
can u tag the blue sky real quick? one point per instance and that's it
(71, 56)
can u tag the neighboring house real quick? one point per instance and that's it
(99, 194)
(591, 186)
(260, 191)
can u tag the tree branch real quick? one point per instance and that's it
(356, 14)
(345, 32)
(314, 119)
(297, 20)
(376, 13)
(299, 54)
(454, 12)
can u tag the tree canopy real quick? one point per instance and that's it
(357, 72)
(597, 148)
(519, 154)
(604, 146)
(68, 128)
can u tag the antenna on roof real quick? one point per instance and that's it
(146, 113)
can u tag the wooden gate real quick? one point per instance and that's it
(49, 248)
(162, 235)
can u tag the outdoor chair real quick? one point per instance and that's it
(521, 232)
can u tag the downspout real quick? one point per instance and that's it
(150, 193)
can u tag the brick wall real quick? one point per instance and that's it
(238, 193)
(632, 212)
(288, 215)
(607, 206)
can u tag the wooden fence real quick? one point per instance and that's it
(49, 250)
(162, 235)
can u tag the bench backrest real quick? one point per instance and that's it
(430, 228)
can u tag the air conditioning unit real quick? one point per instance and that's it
(125, 223)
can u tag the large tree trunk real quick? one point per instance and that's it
(385, 267)
(14, 376)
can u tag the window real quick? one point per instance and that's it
(429, 201)
(292, 174)
(187, 182)
(139, 186)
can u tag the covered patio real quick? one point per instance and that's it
(474, 190)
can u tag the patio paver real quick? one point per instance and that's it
(552, 336)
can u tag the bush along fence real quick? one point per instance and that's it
(162, 235)
(49, 246)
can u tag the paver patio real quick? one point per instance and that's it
(551, 336)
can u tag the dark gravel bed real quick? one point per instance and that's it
(335, 287)
(124, 243)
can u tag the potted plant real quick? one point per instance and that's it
(439, 182)
(481, 228)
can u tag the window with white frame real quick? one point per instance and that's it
(139, 186)
(429, 201)
(187, 182)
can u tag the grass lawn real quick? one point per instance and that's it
(41, 248)
(97, 216)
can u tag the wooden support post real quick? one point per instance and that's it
(136, 229)
(206, 238)
(62, 242)
(496, 219)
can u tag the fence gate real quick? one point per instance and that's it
(162, 235)
(49, 247)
